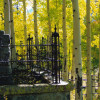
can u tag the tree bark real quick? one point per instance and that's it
(88, 32)
(77, 51)
(25, 28)
(49, 23)
(93, 84)
(65, 67)
(99, 57)
(35, 23)
(49, 30)
(13, 48)
(57, 14)
(6, 17)
(73, 67)
(7, 24)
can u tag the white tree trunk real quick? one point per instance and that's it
(13, 48)
(93, 84)
(88, 32)
(49, 23)
(65, 67)
(99, 57)
(77, 51)
(73, 67)
(25, 28)
(35, 23)
(49, 30)
(7, 24)
(6, 17)
(57, 14)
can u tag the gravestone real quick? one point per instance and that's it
(4, 59)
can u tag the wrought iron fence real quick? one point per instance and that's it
(33, 63)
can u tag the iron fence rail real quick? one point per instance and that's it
(40, 62)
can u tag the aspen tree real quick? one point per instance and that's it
(49, 23)
(77, 51)
(6, 17)
(35, 23)
(7, 22)
(73, 68)
(49, 28)
(25, 28)
(88, 32)
(57, 14)
(65, 67)
(13, 48)
(93, 84)
(99, 57)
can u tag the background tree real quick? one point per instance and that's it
(77, 51)
(6, 17)
(65, 67)
(13, 48)
(49, 23)
(25, 28)
(88, 32)
(99, 56)
(35, 23)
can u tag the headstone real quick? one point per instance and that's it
(4, 58)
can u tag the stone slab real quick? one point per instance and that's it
(30, 89)
(36, 92)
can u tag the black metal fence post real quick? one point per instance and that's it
(55, 56)
(29, 51)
